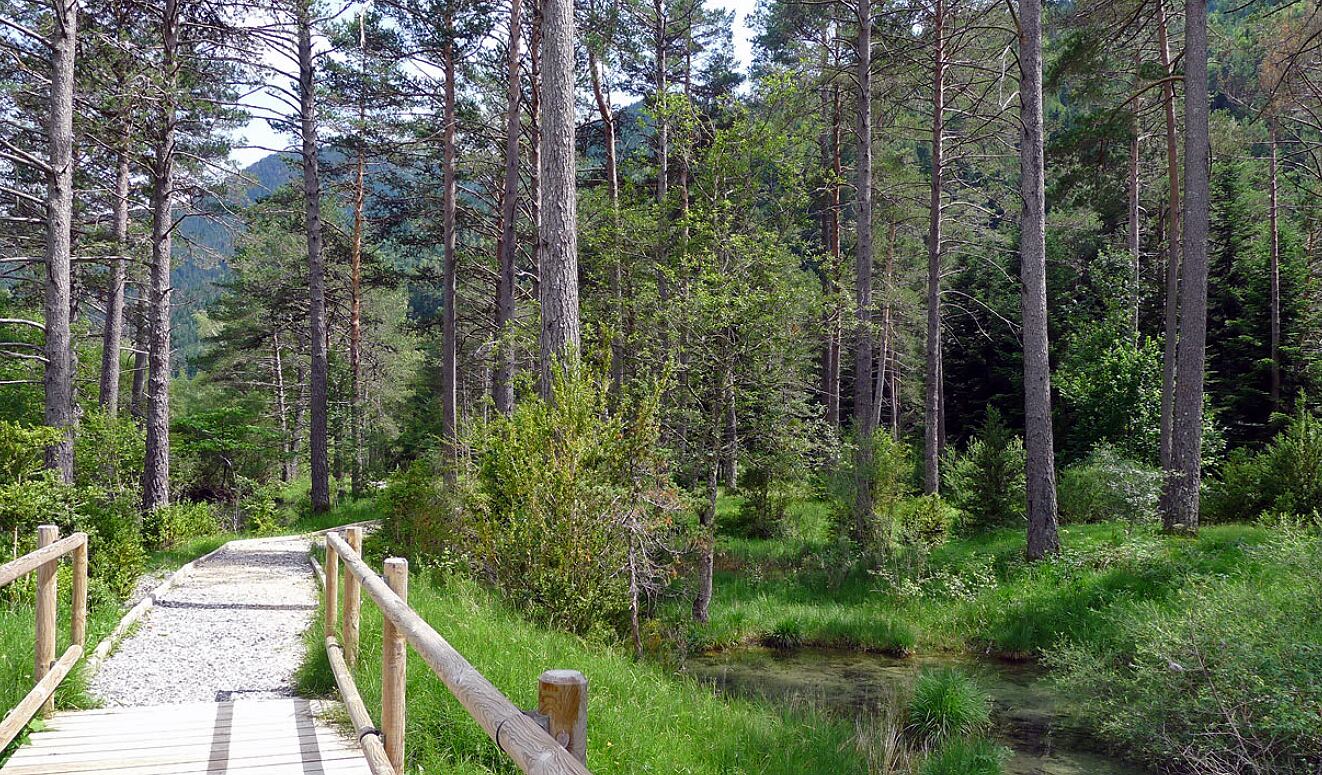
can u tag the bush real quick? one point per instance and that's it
(947, 704)
(566, 500)
(986, 482)
(763, 512)
(260, 512)
(420, 515)
(960, 756)
(925, 521)
(1285, 478)
(1107, 486)
(891, 473)
(1232, 684)
(171, 525)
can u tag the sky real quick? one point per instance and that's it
(259, 133)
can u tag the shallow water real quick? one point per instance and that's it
(1026, 712)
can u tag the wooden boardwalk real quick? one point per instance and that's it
(242, 737)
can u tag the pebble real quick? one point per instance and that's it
(231, 629)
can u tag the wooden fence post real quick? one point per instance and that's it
(47, 575)
(562, 696)
(78, 627)
(394, 668)
(332, 588)
(352, 601)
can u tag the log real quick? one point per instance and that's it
(17, 569)
(394, 668)
(366, 732)
(353, 600)
(562, 696)
(47, 600)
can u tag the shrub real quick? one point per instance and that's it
(260, 512)
(1232, 684)
(986, 482)
(925, 521)
(420, 514)
(1284, 478)
(566, 502)
(947, 704)
(891, 473)
(767, 499)
(960, 756)
(171, 525)
(1107, 486)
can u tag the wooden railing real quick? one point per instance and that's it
(551, 741)
(49, 671)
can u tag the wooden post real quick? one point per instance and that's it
(562, 696)
(394, 668)
(352, 601)
(78, 628)
(332, 588)
(47, 574)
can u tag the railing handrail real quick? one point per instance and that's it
(48, 671)
(531, 747)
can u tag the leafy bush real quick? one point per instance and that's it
(1285, 478)
(261, 514)
(171, 525)
(566, 499)
(1231, 683)
(1107, 486)
(420, 514)
(891, 474)
(767, 499)
(961, 756)
(926, 521)
(947, 704)
(986, 482)
(108, 454)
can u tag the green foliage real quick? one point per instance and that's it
(960, 756)
(891, 473)
(562, 493)
(171, 525)
(108, 454)
(763, 512)
(261, 513)
(1227, 679)
(1105, 485)
(218, 447)
(986, 481)
(422, 514)
(925, 521)
(947, 704)
(1285, 478)
(22, 450)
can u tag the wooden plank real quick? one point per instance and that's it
(16, 569)
(23, 712)
(531, 748)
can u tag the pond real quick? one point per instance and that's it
(1026, 712)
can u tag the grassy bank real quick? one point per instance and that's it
(643, 719)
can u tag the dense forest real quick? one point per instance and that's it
(939, 327)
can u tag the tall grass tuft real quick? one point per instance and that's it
(965, 756)
(947, 704)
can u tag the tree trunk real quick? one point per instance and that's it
(933, 433)
(884, 359)
(357, 482)
(730, 453)
(1039, 445)
(831, 276)
(601, 95)
(281, 405)
(319, 398)
(502, 378)
(707, 517)
(1180, 497)
(1273, 213)
(1172, 323)
(60, 411)
(558, 233)
(1132, 211)
(142, 342)
(863, 281)
(449, 279)
(113, 333)
(156, 466)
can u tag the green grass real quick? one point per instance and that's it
(644, 719)
(345, 512)
(971, 594)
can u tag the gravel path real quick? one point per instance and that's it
(232, 628)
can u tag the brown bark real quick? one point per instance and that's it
(60, 411)
(1180, 497)
(113, 333)
(1133, 212)
(831, 275)
(558, 231)
(863, 281)
(141, 340)
(1273, 215)
(884, 358)
(933, 435)
(707, 517)
(601, 95)
(449, 275)
(1172, 321)
(156, 467)
(319, 389)
(1040, 466)
(502, 377)
(356, 294)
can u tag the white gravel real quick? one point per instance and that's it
(232, 628)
